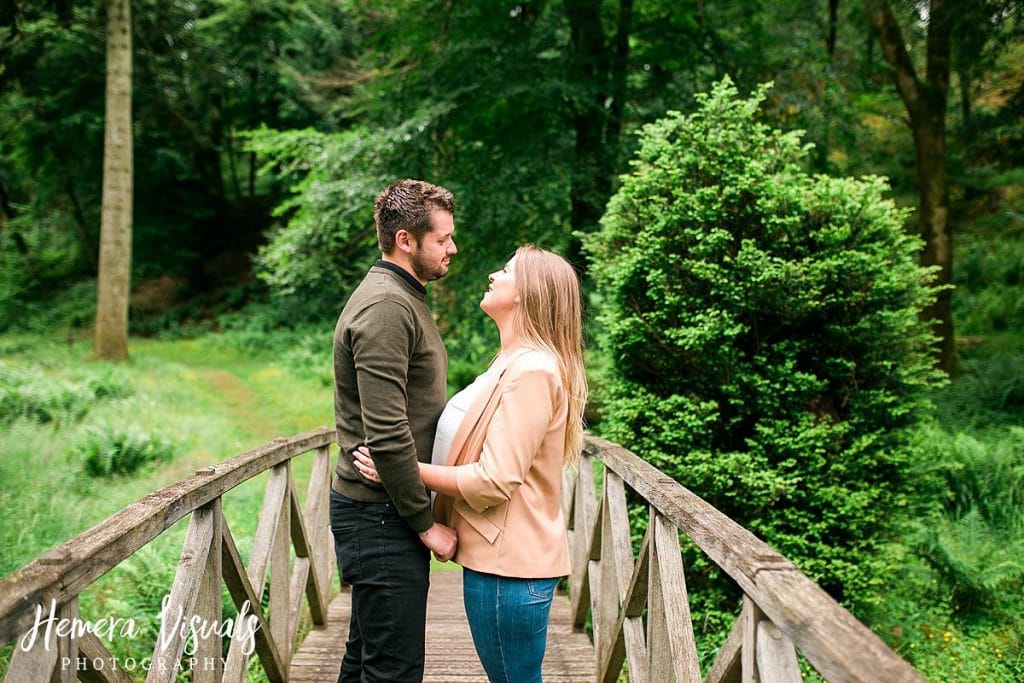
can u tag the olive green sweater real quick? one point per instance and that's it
(390, 370)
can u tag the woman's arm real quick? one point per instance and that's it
(440, 478)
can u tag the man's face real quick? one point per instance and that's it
(432, 254)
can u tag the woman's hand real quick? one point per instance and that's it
(364, 464)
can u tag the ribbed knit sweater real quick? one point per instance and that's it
(390, 369)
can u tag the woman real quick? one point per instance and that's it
(518, 425)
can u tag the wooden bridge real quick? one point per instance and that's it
(636, 607)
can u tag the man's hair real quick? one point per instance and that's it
(406, 205)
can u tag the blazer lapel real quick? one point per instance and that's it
(468, 437)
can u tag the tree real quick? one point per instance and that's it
(115, 263)
(925, 100)
(761, 329)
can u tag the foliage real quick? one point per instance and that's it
(26, 393)
(977, 541)
(762, 329)
(108, 450)
(989, 279)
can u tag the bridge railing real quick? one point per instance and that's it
(292, 548)
(639, 606)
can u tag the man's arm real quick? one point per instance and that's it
(382, 341)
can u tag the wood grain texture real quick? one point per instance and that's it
(450, 657)
(66, 570)
(833, 641)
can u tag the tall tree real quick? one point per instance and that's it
(925, 100)
(115, 264)
(597, 65)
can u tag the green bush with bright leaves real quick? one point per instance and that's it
(761, 333)
(108, 450)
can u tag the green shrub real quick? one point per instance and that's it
(27, 393)
(762, 335)
(107, 450)
(988, 393)
(989, 279)
(976, 541)
(28, 396)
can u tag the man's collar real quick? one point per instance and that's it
(406, 275)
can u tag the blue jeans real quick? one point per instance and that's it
(389, 570)
(508, 618)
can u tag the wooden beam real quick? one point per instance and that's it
(92, 650)
(208, 666)
(726, 668)
(682, 643)
(776, 656)
(245, 599)
(832, 640)
(68, 569)
(181, 602)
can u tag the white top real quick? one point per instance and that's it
(452, 416)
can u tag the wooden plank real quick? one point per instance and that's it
(632, 648)
(67, 650)
(299, 582)
(726, 668)
(749, 617)
(776, 656)
(318, 503)
(832, 640)
(209, 667)
(659, 651)
(584, 516)
(181, 602)
(606, 611)
(245, 599)
(279, 607)
(304, 576)
(93, 650)
(33, 660)
(677, 602)
(71, 567)
(266, 529)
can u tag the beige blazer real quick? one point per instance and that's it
(508, 453)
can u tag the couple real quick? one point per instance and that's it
(493, 455)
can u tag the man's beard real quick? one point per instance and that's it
(425, 271)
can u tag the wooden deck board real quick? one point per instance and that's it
(450, 657)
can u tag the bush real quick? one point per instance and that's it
(762, 335)
(25, 393)
(976, 541)
(988, 393)
(989, 276)
(106, 450)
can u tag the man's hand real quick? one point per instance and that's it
(441, 539)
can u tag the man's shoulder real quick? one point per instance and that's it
(377, 288)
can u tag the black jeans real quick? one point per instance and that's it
(388, 567)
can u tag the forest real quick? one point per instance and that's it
(799, 227)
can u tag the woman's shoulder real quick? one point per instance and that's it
(534, 360)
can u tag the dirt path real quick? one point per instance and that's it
(244, 406)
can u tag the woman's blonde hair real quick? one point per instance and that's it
(550, 318)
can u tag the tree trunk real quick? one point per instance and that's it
(833, 24)
(925, 102)
(115, 263)
(589, 63)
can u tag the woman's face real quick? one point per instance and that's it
(500, 297)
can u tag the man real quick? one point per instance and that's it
(390, 370)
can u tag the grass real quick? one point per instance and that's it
(208, 398)
(215, 396)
